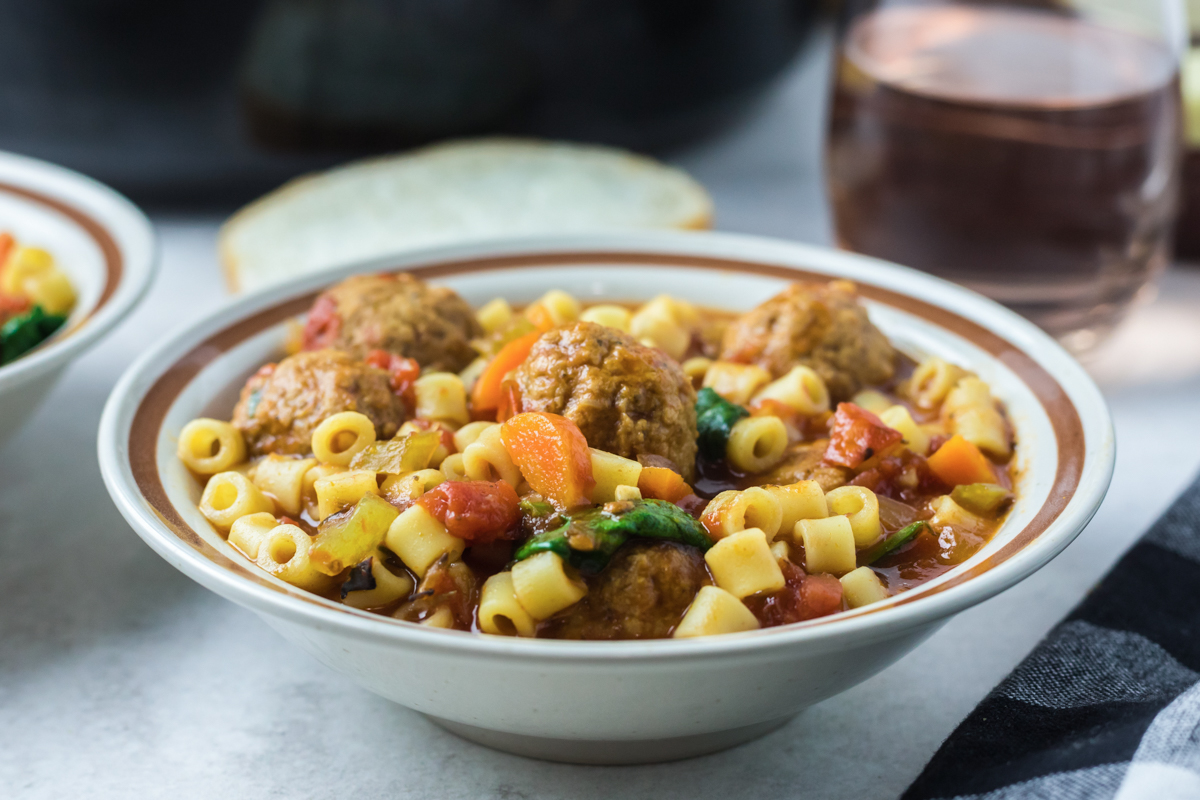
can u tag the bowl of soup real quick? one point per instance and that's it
(75, 257)
(608, 499)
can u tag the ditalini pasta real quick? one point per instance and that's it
(36, 297)
(560, 470)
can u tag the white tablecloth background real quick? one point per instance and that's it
(120, 678)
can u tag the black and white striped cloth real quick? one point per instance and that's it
(1108, 705)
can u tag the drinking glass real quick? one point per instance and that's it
(1028, 149)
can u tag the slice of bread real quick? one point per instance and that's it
(451, 193)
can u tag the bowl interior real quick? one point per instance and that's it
(201, 374)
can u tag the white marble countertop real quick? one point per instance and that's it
(120, 678)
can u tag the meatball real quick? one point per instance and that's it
(396, 313)
(282, 404)
(642, 594)
(626, 398)
(804, 461)
(818, 325)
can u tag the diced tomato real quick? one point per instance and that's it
(478, 511)
(803, 597)
(902, 476)
(324, 324)
(404, 373)
(857, 436)
(11, 306)
(552, 454)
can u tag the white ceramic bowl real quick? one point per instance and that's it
(613, 702)
(103, 243)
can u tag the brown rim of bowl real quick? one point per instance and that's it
(1064, 418)
(113, 260)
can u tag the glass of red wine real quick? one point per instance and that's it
(1028, 149)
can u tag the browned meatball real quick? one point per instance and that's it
(642, 594)
(804, 461)
(818, 325)
(396, 313)
(282, 404)
(626, 398)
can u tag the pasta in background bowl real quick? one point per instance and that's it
(651, 699)
(75, 257)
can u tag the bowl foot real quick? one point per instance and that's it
(589, 751)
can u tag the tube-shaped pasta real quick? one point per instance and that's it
(308, 493)
(970, 411)
(862, 587)
(737, 383)
(389, 586)
(780, 550)
(494, 315)
(284, 554)
(898, 418)
(342, 489)
(624, 492)
(715, 611)
(402, 490)
(609, 316)
(230, 495)
(419, 539)
(441, 397)
(500, 613)
(659, 324)
(828, 545)
(247, 533)
(743, 564)
(561, 306)
(441, 618)
(859, 505)
(696, 367)
(756, 444)
(282, 477)
(25, 264)
(801, 389)
(342, 436)
(486, 459)
(208, 446)
(732, 511)
(51, 290)
(931, 381)
(610, 471)
(949, 514)
(797, 501)
(453, 467)
(468, 434)
(544, 587)
(871, 400)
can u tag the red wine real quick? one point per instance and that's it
(1028, 155)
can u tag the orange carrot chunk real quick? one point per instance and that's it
(660, 483)
(959, 462)
(487, 394)
(552, 455)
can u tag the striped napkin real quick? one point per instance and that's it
(1108, 705)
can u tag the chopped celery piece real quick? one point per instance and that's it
(980, 498)
(893, 541)
(351, 536)
(407, 453)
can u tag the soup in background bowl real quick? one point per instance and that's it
(648, 699)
